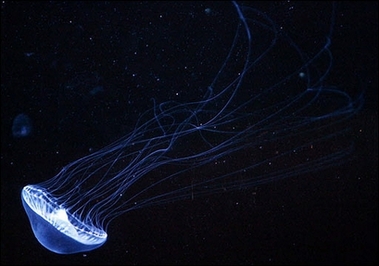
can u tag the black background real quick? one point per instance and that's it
(72, 66)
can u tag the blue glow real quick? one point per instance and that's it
(286, 125)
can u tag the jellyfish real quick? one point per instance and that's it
(22, 126)
(288, 125)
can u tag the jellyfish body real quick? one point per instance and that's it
(55, 228)
(22, 126)
(70, 212)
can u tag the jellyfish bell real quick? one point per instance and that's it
(55, 228)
